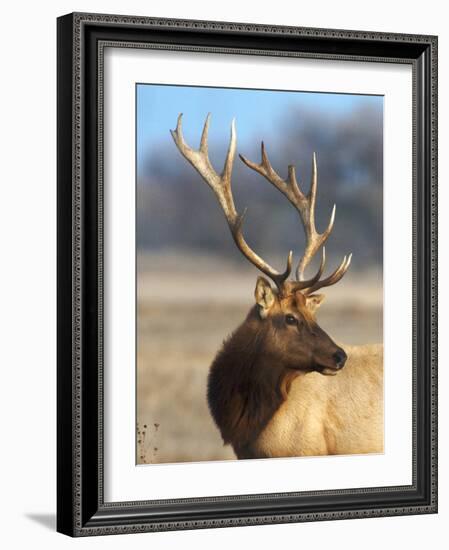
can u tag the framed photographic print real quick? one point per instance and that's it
(247, 284)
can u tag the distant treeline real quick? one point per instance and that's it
(176, 209)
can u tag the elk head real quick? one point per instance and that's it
(285, 313)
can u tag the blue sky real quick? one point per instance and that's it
(158, 107)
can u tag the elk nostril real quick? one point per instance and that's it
(340, 358)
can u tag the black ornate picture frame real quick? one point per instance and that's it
(81, 509)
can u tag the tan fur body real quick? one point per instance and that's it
(325, 415)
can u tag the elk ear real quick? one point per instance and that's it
(314, 301)
(264, 296)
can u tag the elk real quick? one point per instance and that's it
(280, 386)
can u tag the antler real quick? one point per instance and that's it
(305, 205)
(221, 186)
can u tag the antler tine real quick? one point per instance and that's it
(333, 278)
(221, 185)
(204, 145)
(288, 187)
(301, 285)
(314, 239)
(229, 162)
(200, 160)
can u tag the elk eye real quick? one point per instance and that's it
(291, 320)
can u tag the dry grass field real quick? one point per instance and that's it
(186, 307)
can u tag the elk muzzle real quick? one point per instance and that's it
(328, 358)
(340, 358)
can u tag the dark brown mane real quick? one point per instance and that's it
(245, 386)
